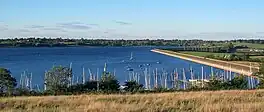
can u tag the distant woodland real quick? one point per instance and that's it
(59, 42)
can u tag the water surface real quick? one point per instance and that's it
(38, 60)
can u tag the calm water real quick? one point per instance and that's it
(37, 60)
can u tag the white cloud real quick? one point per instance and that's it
(78, 29)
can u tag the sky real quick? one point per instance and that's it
(133, 19)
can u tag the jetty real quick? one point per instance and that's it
(224, 65)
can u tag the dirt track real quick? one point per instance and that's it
(225, 65)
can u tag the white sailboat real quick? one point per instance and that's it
(105, 67)
(131, 56)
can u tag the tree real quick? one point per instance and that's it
(58, 79)
(216, 83)
(238, 82)
(7, 82)
(108, 82)
(132, 86)
(230, 45)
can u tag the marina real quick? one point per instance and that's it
(139, 64)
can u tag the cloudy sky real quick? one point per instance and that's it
(133, 19)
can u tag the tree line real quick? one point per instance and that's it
(60, 42)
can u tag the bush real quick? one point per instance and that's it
(57, 79)
(217, 83)
(238, 82)
(25, 92)
(109, 83)
(133, 86)
(7, 82)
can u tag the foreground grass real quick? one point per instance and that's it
(224, 101)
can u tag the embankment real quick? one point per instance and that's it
(225, 65)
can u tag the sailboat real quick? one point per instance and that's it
(131, 56)
(105, 67)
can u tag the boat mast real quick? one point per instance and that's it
(20, 82)
(165, 80)
(83, 76)
(149, 79)
(212, 73)
(138, 77)
(156, 78)
(114, 72)
(192, 76)
(105, 67)
(146, 80)
(176, 76)
(45, 80)
(184, 79)
(91, 75)
(202, 77)
(230, 73)
(70, 78)
(97, 79)
(30, 82)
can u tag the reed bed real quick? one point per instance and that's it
(203, 101)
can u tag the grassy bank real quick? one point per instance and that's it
(225, 101)
(225, 65)
(206, 54)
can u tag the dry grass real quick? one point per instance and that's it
(219, 101)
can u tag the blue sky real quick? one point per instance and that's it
(133, 19)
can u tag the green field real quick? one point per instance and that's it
(204, 54)
(250, 45)
(253, 57)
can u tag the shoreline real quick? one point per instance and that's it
(224, 65)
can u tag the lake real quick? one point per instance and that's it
(118, 60)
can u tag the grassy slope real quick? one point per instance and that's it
(225, 101)
(203, 54)
(256, 56)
